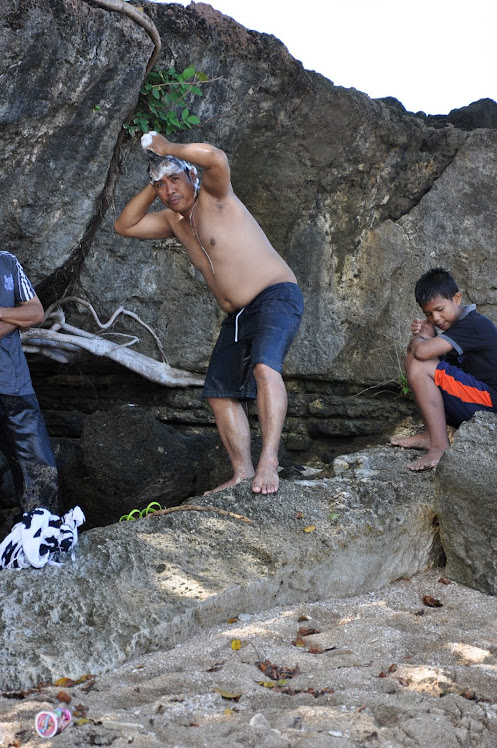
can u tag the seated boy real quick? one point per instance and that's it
(453, 374)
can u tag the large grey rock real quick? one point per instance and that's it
(358, 195)
(66, 89)
(148, 584)
(466, 491)
(126, 459)
(335, 208)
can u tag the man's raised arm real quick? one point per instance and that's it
(135, 220)
(213, 161)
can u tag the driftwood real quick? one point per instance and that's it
(63, 342)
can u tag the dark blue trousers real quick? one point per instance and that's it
(25, 444)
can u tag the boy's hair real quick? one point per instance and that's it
(436, 282)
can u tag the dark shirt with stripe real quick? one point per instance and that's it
(15, 288)
(473, 338)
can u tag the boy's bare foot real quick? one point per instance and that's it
(235, 480)
(418, 441)
(428, 461)
(266, 478)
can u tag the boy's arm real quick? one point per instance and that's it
(423, 348)
(28, 313)
(214, 162)
(135, 220)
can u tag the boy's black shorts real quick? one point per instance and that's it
(262, 332)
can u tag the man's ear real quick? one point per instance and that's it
(457, 298)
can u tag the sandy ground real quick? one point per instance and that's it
(387, 671)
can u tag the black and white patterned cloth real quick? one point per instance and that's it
(40, 538)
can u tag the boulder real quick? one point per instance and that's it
(466, 492)
(149, 584)
(67, 88)
(358, 195)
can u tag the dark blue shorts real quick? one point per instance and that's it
(261, 333)
(463, 395)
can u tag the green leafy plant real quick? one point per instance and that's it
(404, 385)
(164, 101)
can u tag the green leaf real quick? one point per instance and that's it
(166, 88)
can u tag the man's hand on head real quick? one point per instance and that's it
(152, 141)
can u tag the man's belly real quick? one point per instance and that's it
(235, 298)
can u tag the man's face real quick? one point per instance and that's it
(443, 312)
(176, 192)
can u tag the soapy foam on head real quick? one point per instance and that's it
(160, 166)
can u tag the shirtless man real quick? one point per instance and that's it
(250, 282)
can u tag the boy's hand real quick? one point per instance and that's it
(423, 327)
(152, 141)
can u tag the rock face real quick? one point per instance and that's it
(65, 95)
(142, 585)
(466, 487)
(125, 460)
(358, 195)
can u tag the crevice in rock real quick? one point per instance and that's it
(397, 215)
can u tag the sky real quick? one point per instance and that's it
(432, 55)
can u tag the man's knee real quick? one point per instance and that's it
(265, 374)
(213, 402)
(219, 403)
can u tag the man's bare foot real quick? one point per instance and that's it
(418, 441)
(233, 482)
(266, 478)
(428, 461)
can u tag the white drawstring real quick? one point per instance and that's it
(236, 324)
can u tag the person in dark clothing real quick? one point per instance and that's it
(23, 434)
